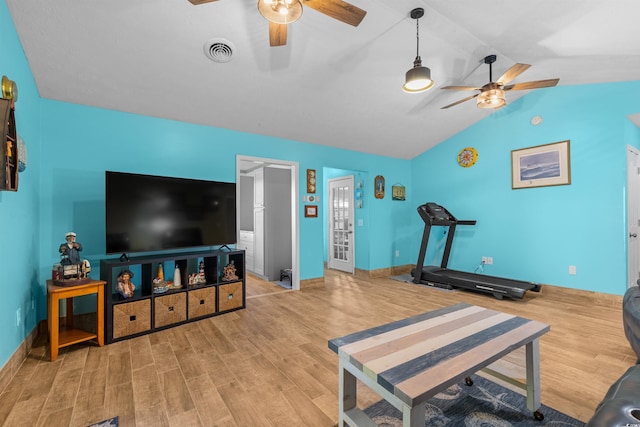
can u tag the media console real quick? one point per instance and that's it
(148, 311)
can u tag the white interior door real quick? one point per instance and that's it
(341, 217)
(633, 214)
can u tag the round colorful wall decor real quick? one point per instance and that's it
(467, 157)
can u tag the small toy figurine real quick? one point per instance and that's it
(125, 287)
(177, 280)
(229, 272)
(70, 250)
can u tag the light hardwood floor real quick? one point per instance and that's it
(269, 364)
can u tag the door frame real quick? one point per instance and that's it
(632, 199)
(352, 213)
(294, 167)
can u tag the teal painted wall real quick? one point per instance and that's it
(78, 152)
(537, 233)
(19, 226)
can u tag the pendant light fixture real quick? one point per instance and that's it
(418, 79)
(280, 11)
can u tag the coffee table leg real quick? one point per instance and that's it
(413, 416)
(532, 351)
(347, 398)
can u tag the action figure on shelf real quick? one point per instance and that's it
(125, 287)
(70, 250)
(229, 272)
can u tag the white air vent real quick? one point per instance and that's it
(219, 50)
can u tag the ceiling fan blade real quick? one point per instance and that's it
(512, 73)
(277, 34)
(338, 9)
(460, 87)
(460, 102)
(533, 85)
(197, 2)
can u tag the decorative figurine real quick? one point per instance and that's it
(229, 272)
(70, 250)
(71, 266)
(159, 286)
(177, 280)
(125, 287)
(197, 279)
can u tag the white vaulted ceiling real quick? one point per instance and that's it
(332, 84)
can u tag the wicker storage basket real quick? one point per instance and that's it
(131, 318)
(169, 309)
(230, 296)
(202, 302)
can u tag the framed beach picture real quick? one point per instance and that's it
(541, 166)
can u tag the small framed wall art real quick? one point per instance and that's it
(311, 180)
(311, 211)
(378, 185)
(397, 192)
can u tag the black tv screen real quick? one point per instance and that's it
(146, 213)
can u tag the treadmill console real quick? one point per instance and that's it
(437, 212)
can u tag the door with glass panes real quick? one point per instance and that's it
(341, 218)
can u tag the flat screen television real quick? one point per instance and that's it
(147, 213)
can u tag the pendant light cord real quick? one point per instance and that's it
(418, 38)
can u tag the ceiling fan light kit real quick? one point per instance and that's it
(280, 11)
(491, 98)
(418, 79)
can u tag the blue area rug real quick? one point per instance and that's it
(484, 404)
(111, 422)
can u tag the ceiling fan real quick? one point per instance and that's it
(491, 95)
(279, 13)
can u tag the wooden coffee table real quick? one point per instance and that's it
(411, 360)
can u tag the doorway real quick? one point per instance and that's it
(257, 242)
(340, 237)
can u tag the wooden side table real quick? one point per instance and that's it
(69, 335)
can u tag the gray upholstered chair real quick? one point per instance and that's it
(621, 404)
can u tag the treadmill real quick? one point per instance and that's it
(442, 277)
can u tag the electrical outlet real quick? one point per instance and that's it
(33, 303)
(18, 316)
(397, 252)
(572, 270)
(487, 260)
